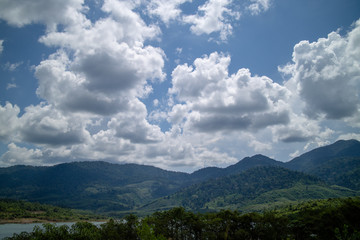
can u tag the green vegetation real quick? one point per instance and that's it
(253, 184)
(321, 219)
(97, 186)
(253, 190)
(22, 211)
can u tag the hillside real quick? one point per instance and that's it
(105, 187)
(13, 211)
(252, 183)
(243, 165)
(338, 163)
(96, 186)
(251, 189)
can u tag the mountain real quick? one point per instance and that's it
(249, 190)
(338, 163)
(251, 162)
(243, 165)
(99, 186)
(253, 182)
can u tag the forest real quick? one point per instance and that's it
(316, 219)
(18, 211)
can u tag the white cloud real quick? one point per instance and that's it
(216, 101)
(301, 129)
(134, 127)
(258, 6)
(349, 136)
(9, 122)
(12, 66)
(21, 155)
(49, 12)
(11, 85)
(107, 70)
(165, 10)
(99, 79)
(326, 74)
(48, 126)
(1, 46)
(214, 16)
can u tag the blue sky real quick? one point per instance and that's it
(176, 84)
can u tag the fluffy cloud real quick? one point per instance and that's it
(215, 101)
(109, 64)
(134, 127)
(214, 17)
(46, 125)
(166, 10)
(97, 75)
(8, 121)
(326, 73)
(21, 155)
(49, 12)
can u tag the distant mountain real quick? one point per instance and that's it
(251, 162)
(338, 163)
(254, 181)
(254, 187)
(243, 165)
(97, 186)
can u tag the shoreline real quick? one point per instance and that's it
(37, 220)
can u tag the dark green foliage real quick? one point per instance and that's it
(322, 219)
(98, 186)
(338, 163)
(117, 190)
(255, 187)
(14, 210)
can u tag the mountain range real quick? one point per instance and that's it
(253, 183)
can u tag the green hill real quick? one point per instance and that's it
(98, 186)
(253, 183)
(16, 211)
(338, 163)
(254, 189)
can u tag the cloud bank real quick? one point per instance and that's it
(94, 85)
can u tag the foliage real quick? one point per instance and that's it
(251, 184)
(321, 219)
(258, 188)
(15, 210)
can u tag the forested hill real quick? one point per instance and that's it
(319, 156)
(338, 163)
(243, 165)
(106, 187)
(251, 190)
(97, 186)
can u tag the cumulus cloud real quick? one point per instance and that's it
(21, 155)
(46, 125)
(165, 10)
(326, 73)
(134, 127)
(97, 74)
(109, 65)
(49, 12)
(214, 17)
(301, 129)
(9, 122)
(215, 101)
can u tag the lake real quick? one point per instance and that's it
(7, 230)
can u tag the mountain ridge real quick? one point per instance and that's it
(108, 187)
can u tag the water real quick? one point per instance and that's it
(7, 230)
